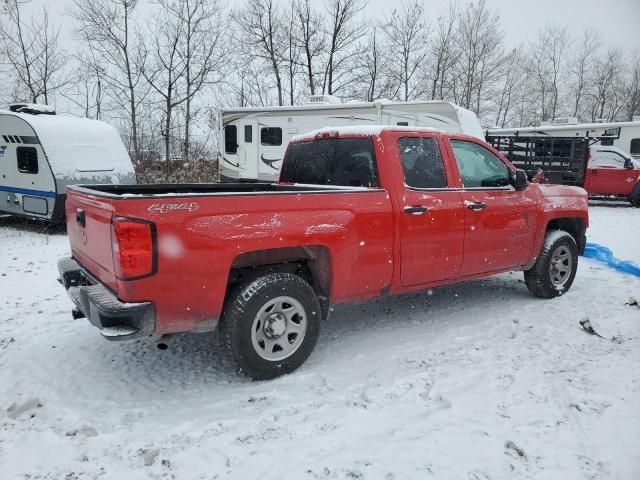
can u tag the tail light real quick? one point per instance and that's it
(134, 248)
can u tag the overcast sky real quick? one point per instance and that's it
(617, 20)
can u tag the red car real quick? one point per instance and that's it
(358, 213)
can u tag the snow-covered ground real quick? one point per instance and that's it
(473, 381)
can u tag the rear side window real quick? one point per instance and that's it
(422, 163)
(479, 168)
(231, 139)
(27, 159)
(271, 136)
(635, 147)
(348, 162)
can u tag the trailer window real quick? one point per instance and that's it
(422, 163)
(248, 134)
(634, 149)
(231, 139)
(271, 136)
(479, 168)
(27, 159)
(348, 162)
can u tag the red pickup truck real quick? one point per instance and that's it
(357, 213)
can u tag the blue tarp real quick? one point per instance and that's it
(605, 255)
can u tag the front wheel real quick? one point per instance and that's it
(270, 325)
(556, 266)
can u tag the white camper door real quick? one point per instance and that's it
(248, 138)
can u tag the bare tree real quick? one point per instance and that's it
(548, 59)
(344, 30)
(480, 54)
(407, 36)
(309, 38)
(31, 52)
(198, 47)
(85, 88)
(581, 67)
(512, 86)
(605, 95)
(260, 23)
(107, 26)
(444, 52)
(632, 88)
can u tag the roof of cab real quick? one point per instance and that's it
(361, 131)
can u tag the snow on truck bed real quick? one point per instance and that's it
(471, 381)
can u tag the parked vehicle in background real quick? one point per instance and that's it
(358, 213)
(253, 140)
(603, 171)
(623, 135)
(41, 153)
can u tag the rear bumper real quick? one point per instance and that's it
(116, 320)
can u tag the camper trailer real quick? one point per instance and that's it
(41, 153)
(623, 135)
(253, 140)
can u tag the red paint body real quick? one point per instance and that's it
(372, 246)
(610, 180)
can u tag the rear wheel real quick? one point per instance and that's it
(270, 325)
(634, 198)
(556, 266)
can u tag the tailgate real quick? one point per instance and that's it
(89, 230)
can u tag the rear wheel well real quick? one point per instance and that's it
(574, 227)
(311, 263)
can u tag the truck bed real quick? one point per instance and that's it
(203, 232)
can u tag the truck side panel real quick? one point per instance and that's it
(199, 241)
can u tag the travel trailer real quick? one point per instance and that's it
(623, 135)
(41, 153)
(253, 140)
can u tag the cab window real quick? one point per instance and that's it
(422, 163)
(607, 158)
(479, 168)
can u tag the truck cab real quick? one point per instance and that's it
(611, 171)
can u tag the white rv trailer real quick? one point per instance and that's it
(41, 153)
(253, 140)
(624, 135)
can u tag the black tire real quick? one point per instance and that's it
(238, 337)
(634, 198)
(545, 279)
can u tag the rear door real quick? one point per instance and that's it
(431, 219)
(607, 175)
(499, 221)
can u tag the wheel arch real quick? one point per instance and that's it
(311, 262)
(574, 226)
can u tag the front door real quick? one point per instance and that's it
(499, 221)
(431, 217)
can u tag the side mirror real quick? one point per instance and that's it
(520, 180)
(628, 163)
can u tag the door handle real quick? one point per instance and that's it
(415, 210)
(476, 206)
